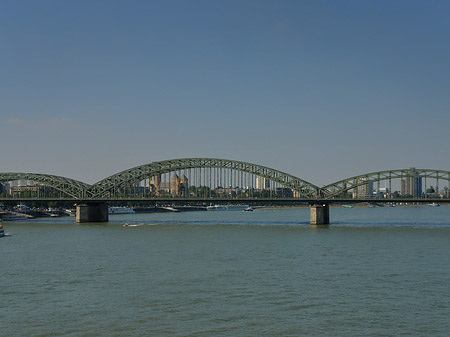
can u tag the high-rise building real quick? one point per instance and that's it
(411, 184)
(262, 183)
(363, 191)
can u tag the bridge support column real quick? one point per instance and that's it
(320, 214)
(92, 212)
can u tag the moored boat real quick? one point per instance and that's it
(172, 209)
(120, 210)
(13, 217)
(226, 207)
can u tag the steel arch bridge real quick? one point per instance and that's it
(117, 181)
(104, 189)
(340, 187)
(69, 187)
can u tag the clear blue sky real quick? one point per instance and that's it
(323, 90)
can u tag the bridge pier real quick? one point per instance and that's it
(320, 214)
(92, 212)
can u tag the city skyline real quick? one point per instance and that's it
(319, 90)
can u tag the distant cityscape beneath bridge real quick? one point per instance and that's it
(220, 179)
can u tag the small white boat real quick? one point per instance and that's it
(71, 212)
(216, 208)
(170, 209)
(248, 209)
(434, 205)
(120, 210)
(226, 207)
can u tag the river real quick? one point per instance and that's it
(372, 272)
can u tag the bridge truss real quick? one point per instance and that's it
(341, 187)
(212, 179)
(65, 186)
(209, 173)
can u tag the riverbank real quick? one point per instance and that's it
(356, 205)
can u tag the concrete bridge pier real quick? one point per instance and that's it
(92, 212)
(320, 214)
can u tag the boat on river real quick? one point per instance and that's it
(226, 207)
(13, 217)
(120, 210)
(171, 209)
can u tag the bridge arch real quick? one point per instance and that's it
(342, 186)
(136, 174)
(69, 187)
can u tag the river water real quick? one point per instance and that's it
(373, 272)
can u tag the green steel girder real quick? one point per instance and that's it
(339, 187)
(78, 190)
(139, 173)
(69, 187)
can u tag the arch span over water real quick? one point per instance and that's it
(139, 173)
(347, 184)
(70, 187)
(79, 190)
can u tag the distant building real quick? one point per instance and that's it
(363, 191)
(176, 186)
(284, 192)
(17, 190)
(382, 192)
(179, 186)
(154, 184)
(411, 184)
(262, 183)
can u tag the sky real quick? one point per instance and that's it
(320, 89)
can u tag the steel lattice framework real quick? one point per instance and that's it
(342, 186)
(103, 189)
(70, 187)
(136, 174)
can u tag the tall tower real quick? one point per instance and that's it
(184, 186)
(175, 185)
(411, 184)
(155, 180)
(364, 191)
(262, 183)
